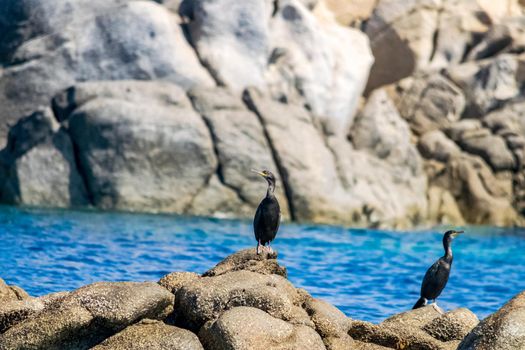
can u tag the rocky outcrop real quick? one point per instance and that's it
(164, 106)
(244, 302)
(503, 330)
(88, 315)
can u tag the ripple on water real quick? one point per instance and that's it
(368, 274)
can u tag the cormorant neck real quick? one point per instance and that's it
(270, 190)
(448, 250)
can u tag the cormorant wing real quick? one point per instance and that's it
(256, 220)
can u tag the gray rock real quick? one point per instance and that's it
(454, 325)
(11, 293)
(240, 144)
(481, 196)
(216, 24)
(436, 145)
(413, 318)
(140, 156)
(15, 311)
(248, 259)
(57, 329)
(206, 298)
(503, 330)
(88, 315)
(82, 46)
(465, 126)
(322, 198)
(492, 148)
(151, 335)
(488, 84)
(39, 165)
(430, 102)
(443, 207)
(244, 328)
(507, 36)
(324, 63)
(329, 321)
(380, 129)
(176, 280)
(460, 23)
(401, 36)
(394, 337)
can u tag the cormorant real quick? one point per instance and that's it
(436, 277)
(268, 214)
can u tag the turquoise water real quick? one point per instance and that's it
(369, 274)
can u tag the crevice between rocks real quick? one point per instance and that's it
(77, 163)
(435, 36)
(275, 155)
(219, 170)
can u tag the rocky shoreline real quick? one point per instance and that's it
(244, 302)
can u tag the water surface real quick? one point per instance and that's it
(368, 274)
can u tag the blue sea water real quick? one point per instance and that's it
(368, 274)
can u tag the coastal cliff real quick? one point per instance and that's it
(371, 113)
(244, 302)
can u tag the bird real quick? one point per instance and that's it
(268, 215)
(436, 277)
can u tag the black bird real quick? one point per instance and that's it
(436, 277)
(268, 215)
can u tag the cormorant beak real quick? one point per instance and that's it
(259, 172)
(457, 233)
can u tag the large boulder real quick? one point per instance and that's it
(151, 335)
(320, 60)
(423, 328)
(454, 325)
(83, 40)
(240, 144)
(39, 166)
(242, 27)
(248, 328)
(88, 315)
(340, 186)
(153, 156)
(307, 169)
(401, 36)
(206, 298)
(408, 36)
(286, 49)
(503, 330)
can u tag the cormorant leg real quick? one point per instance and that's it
(270, 248)
(258, 245)
(438, 309)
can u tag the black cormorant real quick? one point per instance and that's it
(436, 277)
(268, 214)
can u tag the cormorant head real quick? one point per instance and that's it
(450, 235)
(268, 175)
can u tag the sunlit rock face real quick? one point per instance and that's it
(377, 113)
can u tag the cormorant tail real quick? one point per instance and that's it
(420, 303)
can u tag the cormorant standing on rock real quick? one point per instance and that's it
(436, 277)
(268, 214)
